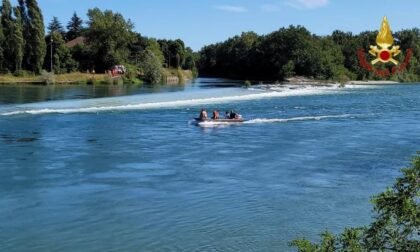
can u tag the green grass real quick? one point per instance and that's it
(69, 78)
(83, 78)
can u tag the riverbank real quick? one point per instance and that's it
(170, 76)
(308, 81)
(373, 82)
(48, 78)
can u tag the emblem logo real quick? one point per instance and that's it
(385, 52)
(384, 41)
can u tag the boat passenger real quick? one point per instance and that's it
(203, 114)
(234, 115)
(215, 115)
(227, 116)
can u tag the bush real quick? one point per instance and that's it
(47, 77)
(150, 67)
(132, 75)
(127, 80)
(23, 73)
(108, 80)
(194, 72)
(93, 81)
(180, 76)
(247, 84)
(395, 226)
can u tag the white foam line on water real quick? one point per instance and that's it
(211, 124)
(168, 104)
(302, 118)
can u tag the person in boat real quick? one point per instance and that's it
(215, 115)
(234, 115)
(203, 114)
(227, 115)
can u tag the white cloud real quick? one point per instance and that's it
(231, 8)
(307, 4)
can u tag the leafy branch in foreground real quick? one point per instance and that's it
(396, 226)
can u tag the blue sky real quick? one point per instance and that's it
(201, 22)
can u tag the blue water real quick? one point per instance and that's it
(134, 174)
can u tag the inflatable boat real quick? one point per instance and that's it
(199, 120)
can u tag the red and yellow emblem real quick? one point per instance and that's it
(385, 50)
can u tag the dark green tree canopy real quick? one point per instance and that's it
(74, 27)
(56, 26)
(109, 36)
(150, 66)
(173, 52)
(295, 51)
(7, 24)
(107, 40)
(36, 37)
(18, 48)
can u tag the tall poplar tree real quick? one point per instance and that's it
(1, 48)
(7, 25)
(25, 26)
(36, 40)
(19, 42)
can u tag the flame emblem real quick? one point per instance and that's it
(384, 41)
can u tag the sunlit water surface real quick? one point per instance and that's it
(133, 173)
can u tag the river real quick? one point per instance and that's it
(125, 169)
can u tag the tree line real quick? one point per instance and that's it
(106, 39)
(296, 51)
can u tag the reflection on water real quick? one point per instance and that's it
(20, 94)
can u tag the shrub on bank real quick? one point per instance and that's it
(395, 226)
(151, 67)
(23, 73)
(247, 84)
(47, 77)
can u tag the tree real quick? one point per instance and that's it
(154, 47)
(7, 26)
(190, 59)
(26, 35)
(36, 38)
(63, 61)
(151, 67)
(56, 26)
(289, 69)
(396, 224)
(1, 48)
(19, 45)
(74, 27)
(173, 51)
(109, 36)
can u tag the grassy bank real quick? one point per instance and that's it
(47, 78)
(182, 75)
(86, 78)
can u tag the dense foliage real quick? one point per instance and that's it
(295, 51)
(108, 39)
(150, 66)
(396, 226)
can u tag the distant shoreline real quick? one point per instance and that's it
(171, 76)
(374, 82)
(300, 80)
